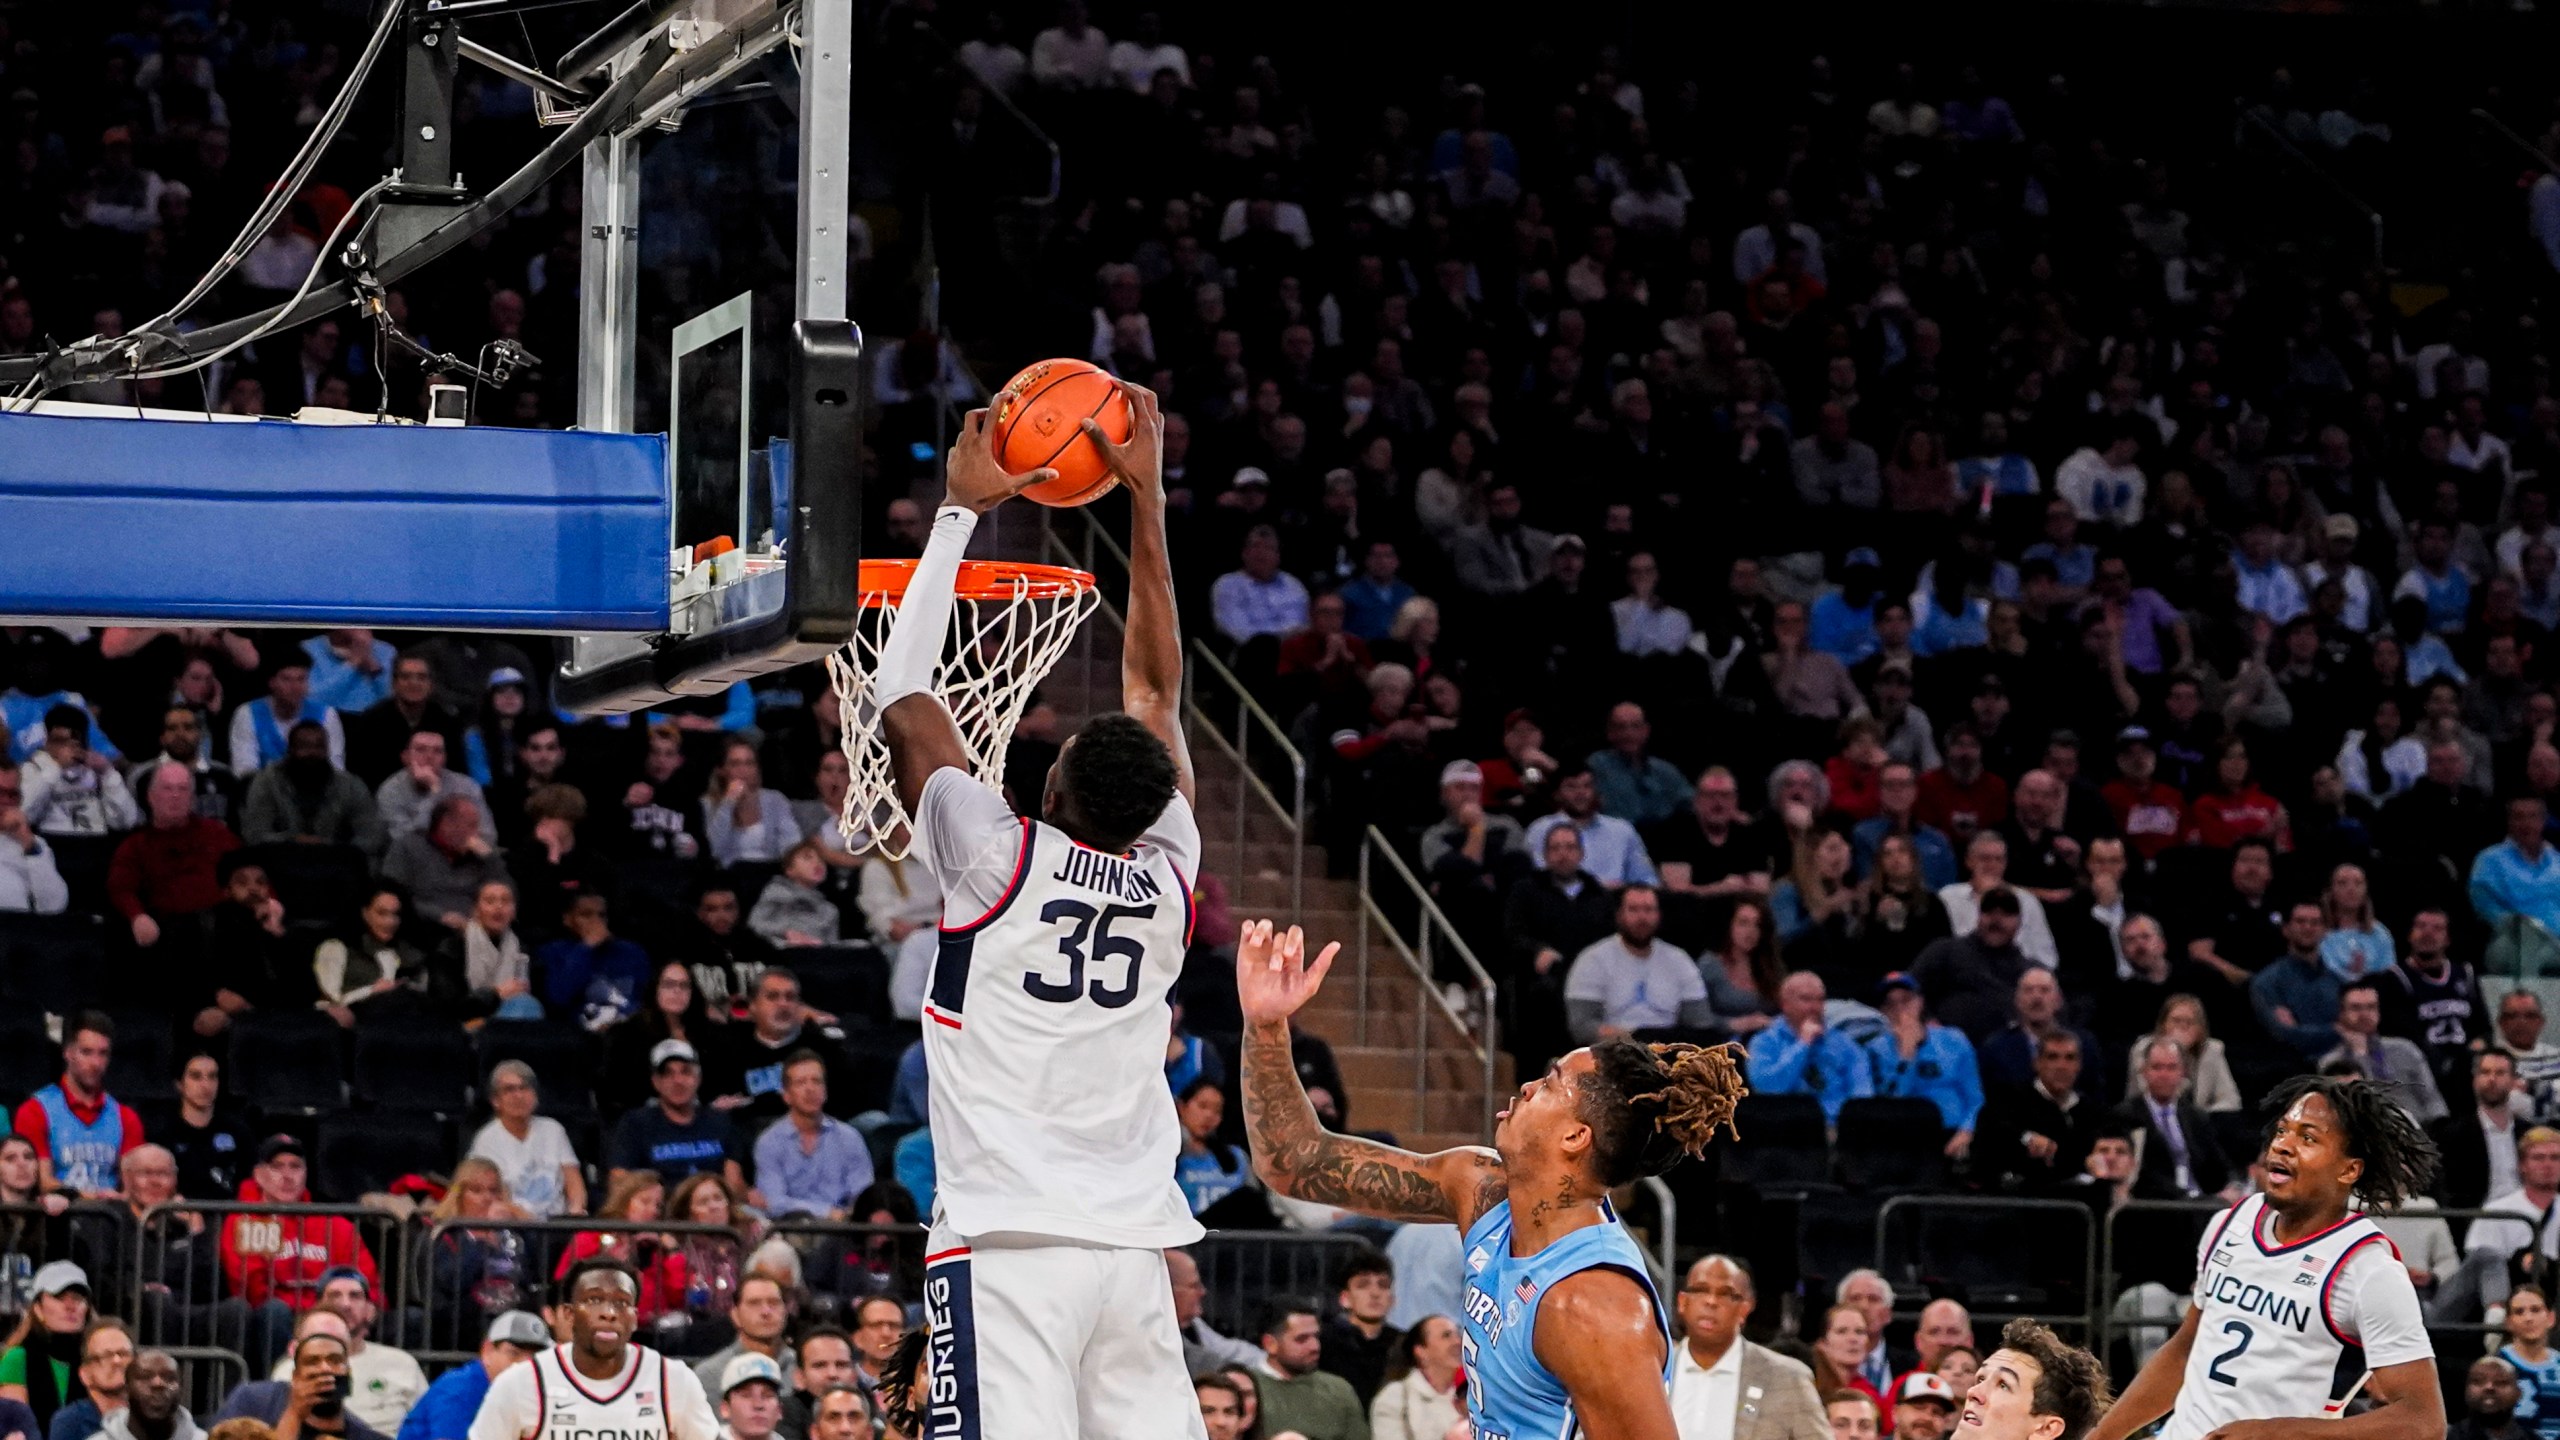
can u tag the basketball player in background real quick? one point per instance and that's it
(599, 1384)
(1046, 1014)
(2299, 1300)
(1560, 1324)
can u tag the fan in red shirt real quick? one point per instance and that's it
(1961, 797)
(2152, 816)
(284, 1257)
(2235, 809)
(1857, 772)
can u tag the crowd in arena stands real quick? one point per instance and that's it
(1904, 586)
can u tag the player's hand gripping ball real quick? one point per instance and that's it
(1038, 419)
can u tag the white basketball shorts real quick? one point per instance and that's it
(1040, 1339)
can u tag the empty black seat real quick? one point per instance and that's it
(83, 861)
(360, 1154)
(421, 1066)
(563, 1058)
(29, 1060)
(1892, 1144)
(52, 964)
(138, 1069)
(1784, 1143)
(288, 1061)
(324, 883)
(850, 982)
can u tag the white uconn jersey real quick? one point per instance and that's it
(1046, 1022)
(2290, 1331)
(545, 1398)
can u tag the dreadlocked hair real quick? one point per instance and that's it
(2399, 1160)
(901, 1398)
(1651, 1106)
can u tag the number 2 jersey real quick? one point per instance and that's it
(545, 1398)
(1046, 1021)
(2290, 1331)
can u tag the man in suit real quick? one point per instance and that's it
(1723, 1387)
(2179, 1158)
(2478, 1142)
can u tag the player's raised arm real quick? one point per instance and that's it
(1293, 1153)
(1151, 652)
(915, 723)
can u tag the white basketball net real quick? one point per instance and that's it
(999, 650)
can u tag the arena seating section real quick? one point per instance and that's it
(1524, 403)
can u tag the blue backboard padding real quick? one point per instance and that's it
(317, 524)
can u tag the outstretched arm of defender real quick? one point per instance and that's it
(914, 722)
(1151, 651)
(1292, 1152)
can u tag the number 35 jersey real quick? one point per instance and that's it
(2290, 1331)
(1046, 1022)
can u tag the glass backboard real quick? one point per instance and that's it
(713, 304)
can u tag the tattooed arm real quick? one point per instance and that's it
(1293, 1153)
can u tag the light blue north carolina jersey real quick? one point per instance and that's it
(1510, 1396)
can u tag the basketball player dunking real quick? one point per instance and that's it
(2300, 1299)
(1045, 1013)
(599, 1386)
(1562, 1332)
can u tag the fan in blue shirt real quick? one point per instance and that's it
(1798, 1056)
(446, 1410)
(1916, 1057)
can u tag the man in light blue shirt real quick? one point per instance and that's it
(2520, 875)
(1799, 1056)
(808, 1162)
(446, 1410)
(1843, 621)
(350, 670)
(1635, 785)
(1917, 1057)
(1258, 598)
(1612, 852)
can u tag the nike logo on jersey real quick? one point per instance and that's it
(1109, 874)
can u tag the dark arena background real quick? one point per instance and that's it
(2002, 558)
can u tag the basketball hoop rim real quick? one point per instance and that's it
(884, 582)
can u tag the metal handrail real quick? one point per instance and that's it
(1477, 1033)
(1947, 1204)
(2293, 152)
(2505, 132)
(1665, 1243)
(2102, 1303)
(1098, 542)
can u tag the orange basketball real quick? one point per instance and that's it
(1039, 420)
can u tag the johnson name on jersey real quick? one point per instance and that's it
(1046, 1021)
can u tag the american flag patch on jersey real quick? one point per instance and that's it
(1526, 1289)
